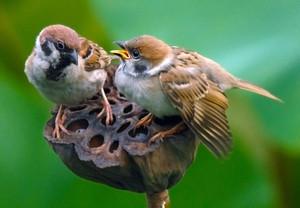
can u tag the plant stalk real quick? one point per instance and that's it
(158, 200)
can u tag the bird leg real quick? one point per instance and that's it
(106, 108)
(167, 133)
(145, 121)
(59, 121)
(61, 126)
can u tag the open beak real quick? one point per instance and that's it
(123, 53)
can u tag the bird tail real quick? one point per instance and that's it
(255, 89)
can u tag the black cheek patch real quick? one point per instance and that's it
(46, 48)
(140, 68)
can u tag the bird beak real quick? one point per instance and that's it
(123, 53)
(73, 57)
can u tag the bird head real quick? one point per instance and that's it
(144, 55)
(58, 45)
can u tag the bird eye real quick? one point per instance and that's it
(135, 53)
(60, 45)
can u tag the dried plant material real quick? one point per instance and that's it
(117, 154)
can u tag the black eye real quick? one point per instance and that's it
(60, 45)
(135, 53)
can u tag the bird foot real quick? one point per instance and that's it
(145, 121)
(56, 132)
(59, 121)
(109, 115)
(160, 136)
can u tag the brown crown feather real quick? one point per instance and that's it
(62, 33)
(150, 48)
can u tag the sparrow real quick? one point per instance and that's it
(67, 69)
(169, 81)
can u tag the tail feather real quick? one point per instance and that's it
(256, 89)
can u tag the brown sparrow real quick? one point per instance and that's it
(169, 81)
(67, 69)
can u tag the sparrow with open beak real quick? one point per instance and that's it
(67, 69)
(169, 81)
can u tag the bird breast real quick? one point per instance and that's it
(75, 87)
(146, 92)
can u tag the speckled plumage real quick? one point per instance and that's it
(67, 69)
(76, 82)
(175, 81)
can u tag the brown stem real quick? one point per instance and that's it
(158, 200)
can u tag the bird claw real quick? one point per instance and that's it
(61, 127)
(59, 120)
(160, 136)
(100, 114)
(109, 115)
(57, 129)
(145, 121)
(56, 132)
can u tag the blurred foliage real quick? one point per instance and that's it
(256, 40)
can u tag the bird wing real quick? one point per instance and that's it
(94, 56)
(202, 106)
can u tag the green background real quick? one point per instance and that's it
(256, 40)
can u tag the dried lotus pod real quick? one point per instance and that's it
(119, 156)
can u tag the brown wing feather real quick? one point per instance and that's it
(202, 106)
(95, 57)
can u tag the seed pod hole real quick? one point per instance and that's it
(123, 127)
(96, 141)
(121, 95)
(107, 90)
(76, 125)
(128, 109)
(140, 131)
(95, 111)
(111, 101)
(114, 146)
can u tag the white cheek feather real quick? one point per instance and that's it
(34, 76)
(39, 64)
(35, 70)
(52, 58)
(161, 67)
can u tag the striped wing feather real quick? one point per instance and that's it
(202, 106)
(94, 56)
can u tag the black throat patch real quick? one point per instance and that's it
(140, 68)
(56, 72)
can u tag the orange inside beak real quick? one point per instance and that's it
(121, 53)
